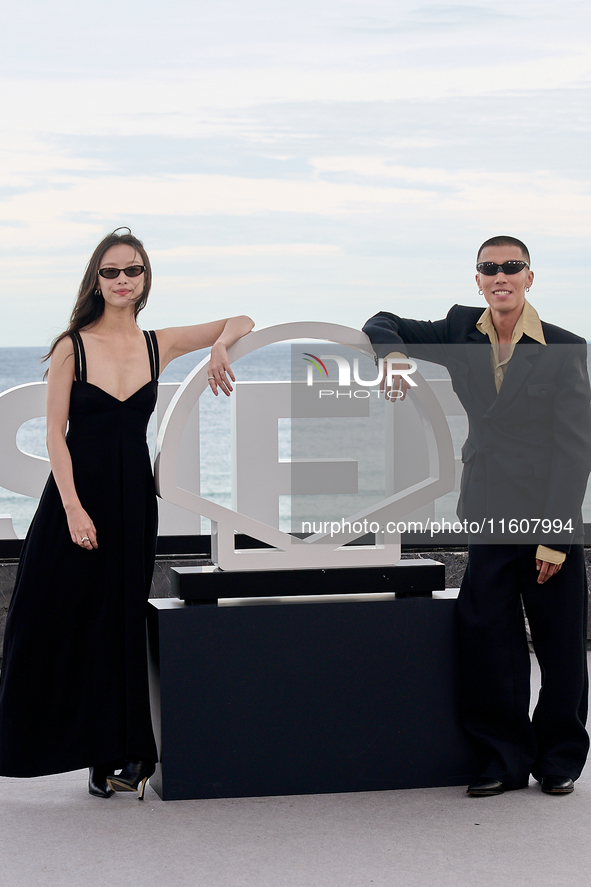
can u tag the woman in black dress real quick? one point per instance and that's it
(74, 688)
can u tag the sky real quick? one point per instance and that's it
(292, 160)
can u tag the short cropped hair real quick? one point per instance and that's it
(505, 240)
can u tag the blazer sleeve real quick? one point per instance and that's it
(416, 338)
(571, 453)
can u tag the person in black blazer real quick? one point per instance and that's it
(526, 460)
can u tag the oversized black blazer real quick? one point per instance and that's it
(527, 456)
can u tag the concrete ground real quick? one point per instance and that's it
(55, 833)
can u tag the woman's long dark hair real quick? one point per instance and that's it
(90, 304)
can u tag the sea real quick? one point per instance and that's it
(338, 439)
(354, 439)
(19, 366)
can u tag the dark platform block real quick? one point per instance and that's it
(305, 698)
(415, 577)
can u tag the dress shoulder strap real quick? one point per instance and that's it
(154, 354)
(79, 357)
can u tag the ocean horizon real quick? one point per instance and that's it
(19, 366)
(272, 363)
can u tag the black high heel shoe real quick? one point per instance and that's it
(98, 784)
(134, 775)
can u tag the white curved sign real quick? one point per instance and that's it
(290, 552)
(19, 471)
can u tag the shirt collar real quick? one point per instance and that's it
(528, 324)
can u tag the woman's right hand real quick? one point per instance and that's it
(82, 529)
(219, 370)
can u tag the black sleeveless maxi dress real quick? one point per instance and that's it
(74, 686)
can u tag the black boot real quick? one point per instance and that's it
(97, 781)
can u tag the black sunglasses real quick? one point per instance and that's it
(132, 271)
(491, 268)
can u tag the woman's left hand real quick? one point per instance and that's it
(219, 371)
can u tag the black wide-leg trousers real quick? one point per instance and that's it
(499, 584)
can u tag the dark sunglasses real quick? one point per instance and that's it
(132, 271)
(491, 268)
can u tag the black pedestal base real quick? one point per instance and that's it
(305, 698)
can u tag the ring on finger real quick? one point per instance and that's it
(84, 539)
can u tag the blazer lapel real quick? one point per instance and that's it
(477, 351)
(518, 369)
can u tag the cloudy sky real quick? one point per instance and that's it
(293, 159)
